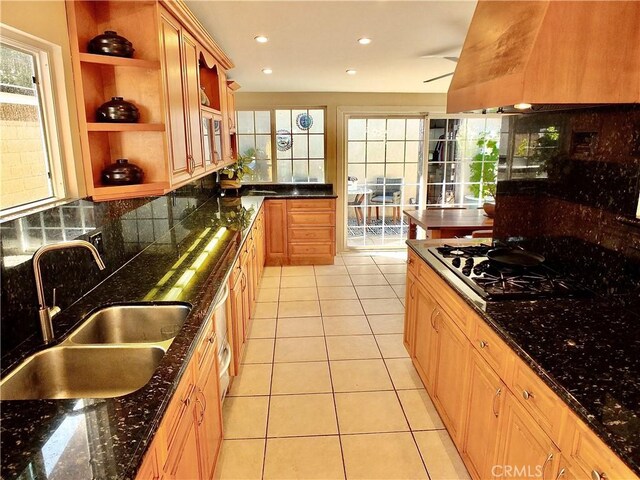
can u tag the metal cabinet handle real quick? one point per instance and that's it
(493, 405)
(595, 475)
(546, 462)
(434, 316)
(484, 344)
(527, 394)
(411, 290)
(202, 409)
(561, 473)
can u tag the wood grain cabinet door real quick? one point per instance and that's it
(410, 314)
(208, 413)
(276, 232)
(450, 383)
(482, 411)
(236, 305)
(524, 449)
(426, 344)
(170, 36)
(191, 90)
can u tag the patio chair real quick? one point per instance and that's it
(387, 192)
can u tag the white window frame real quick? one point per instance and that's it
(55, 116)
(273, 135)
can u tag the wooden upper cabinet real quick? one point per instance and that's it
(182, 90)
(191, 91)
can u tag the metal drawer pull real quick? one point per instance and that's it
(546, 462)
(483, 344)
(527, 394)
(595, 475)
(493, 406)
(561, 474)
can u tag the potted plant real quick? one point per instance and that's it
(232, 175)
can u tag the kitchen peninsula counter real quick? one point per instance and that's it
(586, 349)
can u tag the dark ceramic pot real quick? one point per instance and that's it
(122, 173)
(118, 110)
(110, 43)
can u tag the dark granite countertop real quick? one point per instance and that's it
(107, 438)
(289, 190)
(586, 349)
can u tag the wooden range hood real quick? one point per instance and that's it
(548, 52)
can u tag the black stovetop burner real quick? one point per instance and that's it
(494, 281)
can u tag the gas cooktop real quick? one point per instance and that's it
(495, 281)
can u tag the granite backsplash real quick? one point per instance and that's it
(569, 190)
(127, 228)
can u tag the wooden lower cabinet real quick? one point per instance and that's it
(504, 420)
(523, 447)
(300, 232)
(426, 341)
(236, 320)
(451, 364)
(275, 212)
(483, 408)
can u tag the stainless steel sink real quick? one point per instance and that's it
(132, 324)
(82, 372)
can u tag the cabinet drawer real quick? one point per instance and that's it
(311, 235)
(539, 400)
(205, 346)
(591, 455)
(450, 301)
(324, 204)
(491, 347)
(310, 249)
(325, 219)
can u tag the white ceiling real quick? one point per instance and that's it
(312, 43)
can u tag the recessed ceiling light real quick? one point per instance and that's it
(522, 106)
(267, 71)
(364, 41)
(351, 71)
(261, 39)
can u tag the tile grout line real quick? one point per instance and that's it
(395, 390)
(333, 392)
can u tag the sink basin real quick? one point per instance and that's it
(132, 324)
(82, 372)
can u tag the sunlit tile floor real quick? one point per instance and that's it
(326, 388)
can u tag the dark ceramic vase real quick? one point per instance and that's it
(110, 43)
(118, 110)
(122, 173)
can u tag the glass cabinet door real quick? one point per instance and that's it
(217, 138)
(207, 138)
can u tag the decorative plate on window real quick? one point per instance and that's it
(304, 121)
(284, 140)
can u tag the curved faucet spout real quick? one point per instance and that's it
(45, 312)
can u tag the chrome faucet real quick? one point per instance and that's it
(45, 313)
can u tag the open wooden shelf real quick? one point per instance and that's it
(119, 61)
(113, 192)
(125, 127)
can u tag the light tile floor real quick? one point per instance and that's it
(326, 388)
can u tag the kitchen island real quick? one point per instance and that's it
(584, 350)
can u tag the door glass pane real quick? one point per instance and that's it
(379, 152)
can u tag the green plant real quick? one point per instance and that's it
(239, 219)
(484, 167)
(239, 169)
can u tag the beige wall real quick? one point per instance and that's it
(337, 104)
(48, 21)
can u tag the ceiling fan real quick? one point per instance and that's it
(451, 57)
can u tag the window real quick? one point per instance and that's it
(31, 158)
(463, 160)
(295, 135)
